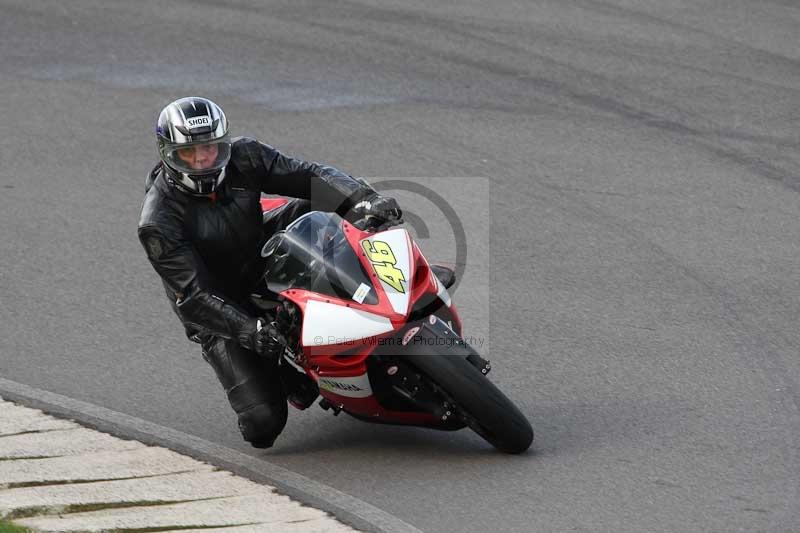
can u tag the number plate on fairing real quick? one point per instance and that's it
(390, 255)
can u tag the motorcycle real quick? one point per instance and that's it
(365, 316)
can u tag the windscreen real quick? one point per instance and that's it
(313, 254)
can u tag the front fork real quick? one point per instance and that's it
(407, 382)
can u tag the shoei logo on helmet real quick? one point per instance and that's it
(196, 122)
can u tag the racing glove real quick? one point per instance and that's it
(384, 208)
(265, 339)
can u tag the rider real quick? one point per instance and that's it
(202, 227)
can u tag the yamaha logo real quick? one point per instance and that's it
(329, 384)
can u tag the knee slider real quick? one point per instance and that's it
(261, 424)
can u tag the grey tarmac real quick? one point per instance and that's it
(638, 294)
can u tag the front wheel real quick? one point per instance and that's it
(483, 407)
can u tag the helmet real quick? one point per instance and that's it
(194, 144)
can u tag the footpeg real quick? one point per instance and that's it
(326, 405)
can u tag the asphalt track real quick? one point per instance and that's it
(641, 159)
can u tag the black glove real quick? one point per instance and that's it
(384, 208)
(265, 339)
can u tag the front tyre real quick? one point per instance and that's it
(483, 407)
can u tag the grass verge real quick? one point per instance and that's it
(8, 527)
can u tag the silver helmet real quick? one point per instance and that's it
(194, 144)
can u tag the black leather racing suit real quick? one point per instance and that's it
(206, 250)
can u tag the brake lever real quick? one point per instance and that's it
(389, 224)
(363, 223)
(366, 224)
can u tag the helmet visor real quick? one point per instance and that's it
(199, 157)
